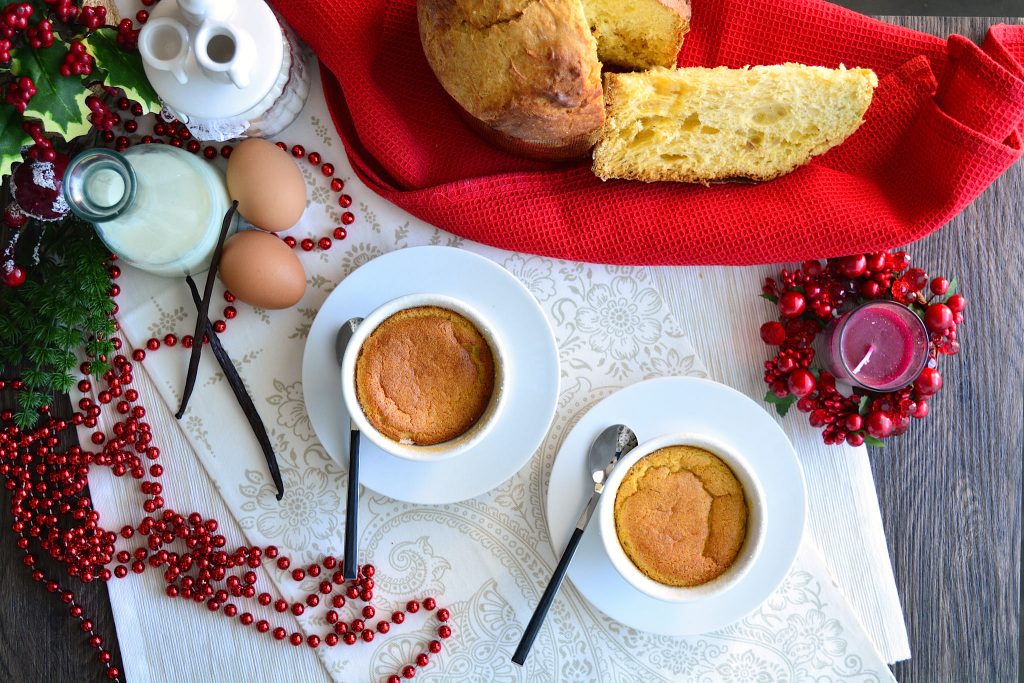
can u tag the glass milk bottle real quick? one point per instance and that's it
(157, 207)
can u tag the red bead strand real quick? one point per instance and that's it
(50, 508)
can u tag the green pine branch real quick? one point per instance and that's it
(63, 306)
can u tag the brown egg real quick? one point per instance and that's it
(268, 185)
(261, 270)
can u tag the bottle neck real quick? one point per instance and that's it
(99, 185)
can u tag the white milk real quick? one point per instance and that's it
(171, 226)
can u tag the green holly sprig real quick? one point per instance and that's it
(59, 100)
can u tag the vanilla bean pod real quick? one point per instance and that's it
(204, 311)
(244, 400)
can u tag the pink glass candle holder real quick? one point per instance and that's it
(880, 345)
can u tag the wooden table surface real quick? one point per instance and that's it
(950, 490)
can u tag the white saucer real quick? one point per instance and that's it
(532, 387)
(665, 406)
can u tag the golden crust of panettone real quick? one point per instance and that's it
(524, 71)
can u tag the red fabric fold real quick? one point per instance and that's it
(946, 120)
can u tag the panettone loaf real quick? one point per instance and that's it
(524, 71)
(700, 125)
(638, 34)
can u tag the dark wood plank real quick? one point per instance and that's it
(941, 8)
(950, 489)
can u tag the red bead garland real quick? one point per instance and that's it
(54, 489)
(811, 297)
(49, 506)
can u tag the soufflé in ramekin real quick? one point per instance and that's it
(424, 376)
(681, 516)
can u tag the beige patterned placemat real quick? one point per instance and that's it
(487, 558)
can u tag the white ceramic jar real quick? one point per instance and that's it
(226, 68)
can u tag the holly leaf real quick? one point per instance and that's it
(872, 441)
(770, 297)
(782, 405)
(122, 68)
(865, 403)
(12, 139)
(59, 102)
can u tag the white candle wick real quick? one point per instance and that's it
(865, 359)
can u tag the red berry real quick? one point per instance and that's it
(940, 286)
(801, 382)
(870, 289)
(780, 388)
(15, 276)
(928, 382)
(938, 318)
(822, 309)
(855, 440)
(792, 304)
(854, 422)
(853, 266)
(957, 303)
(879, 425)
(773, 333)
(877, 261)
(921, 410)
(811, 267)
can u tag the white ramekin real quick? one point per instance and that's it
(464, 441)
(752, 544)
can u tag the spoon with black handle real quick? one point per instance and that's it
(608, 447)
(349, 564)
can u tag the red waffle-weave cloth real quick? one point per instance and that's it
(946, 120)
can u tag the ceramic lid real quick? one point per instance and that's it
(212, 59)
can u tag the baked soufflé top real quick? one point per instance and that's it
(681, 516)
(424, 376)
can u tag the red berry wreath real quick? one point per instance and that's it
(815, 295)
